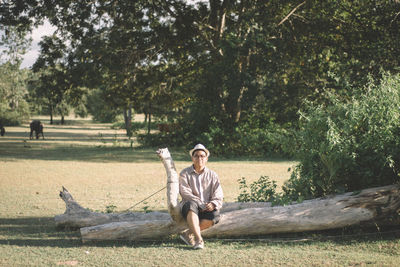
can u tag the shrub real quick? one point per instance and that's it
(99, 109)
(349, 144)
(250, 137)
(262, 190)
(168, 138)
(263, 138)
(16, 116)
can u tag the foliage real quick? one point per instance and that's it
(349, 143)
(14, 108)
(259, 135)
(212, 62)
(13, 90)
(13, 43)
(53, 83)
(111, 208)
(14, 116)
(161, 139)
(262, 190)
(256, 135)
(99, 109)
(80, 108)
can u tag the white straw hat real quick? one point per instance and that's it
(199, 147)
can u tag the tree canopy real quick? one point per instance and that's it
(231, 74)
(217, 67)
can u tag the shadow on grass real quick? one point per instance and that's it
(42, 232)
(36, 232)
(64, 133)
(78, 143)
(111, 147)
(47, 150)
(11, 151)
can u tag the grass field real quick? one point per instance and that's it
(96, 164)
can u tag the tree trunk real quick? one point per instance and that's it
(149, 124)
(128, 120)
(237, 219)
(51, 114)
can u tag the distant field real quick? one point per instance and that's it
(96, 164)
(99, 168)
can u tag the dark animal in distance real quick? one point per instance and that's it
(36, 126)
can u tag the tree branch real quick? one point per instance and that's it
(291, 13)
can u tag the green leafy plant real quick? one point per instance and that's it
(111, 208)
(349, 143)
(146, 208)
(262, 190)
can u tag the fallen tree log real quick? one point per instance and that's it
(237, 219)
(370, 205)
(76, 216)
(132, 230)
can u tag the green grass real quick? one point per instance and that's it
(96, 164)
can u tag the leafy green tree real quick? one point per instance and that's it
(99, 109)
(222, 50)
(13, 81)
(14, 44)
(53, 81)
(110, 42)
(225, 63)
(13, 107)
(330, 45)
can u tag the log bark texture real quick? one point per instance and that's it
(237, 219)
(75, 216)
(373, 204)
(172, 185)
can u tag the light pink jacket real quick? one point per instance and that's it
(210, 188)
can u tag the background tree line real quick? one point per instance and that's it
(231, 74)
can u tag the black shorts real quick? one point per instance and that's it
(203, 215)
